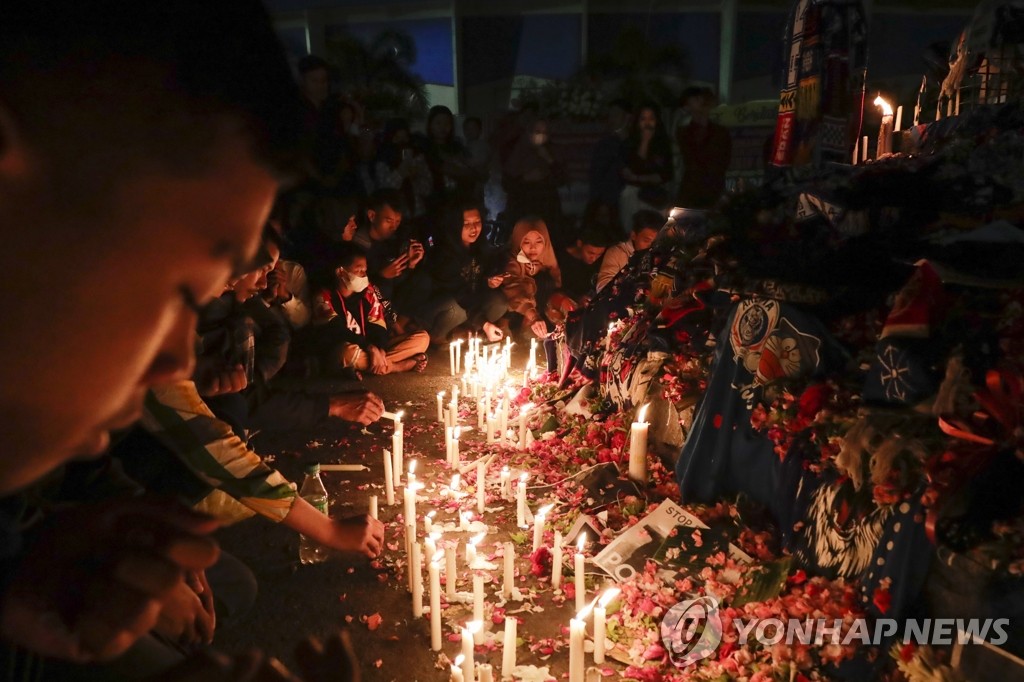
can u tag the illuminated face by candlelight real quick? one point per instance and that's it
(589, 253)
(532, 245)
(472, 224)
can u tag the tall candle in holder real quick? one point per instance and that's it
(638, 448)
(885, 131)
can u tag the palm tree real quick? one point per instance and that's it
(378, 74)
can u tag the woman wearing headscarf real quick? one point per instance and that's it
(531, 274)
(466, 276)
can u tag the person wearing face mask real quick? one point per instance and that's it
(351, 317)
(531, 274)
(532, 176)
(648, 165)
(466, 278)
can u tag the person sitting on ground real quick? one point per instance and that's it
(531, 274)
(466, 279)
(244, 346)
(389, 264)
(646, 225)
(580, 264)
(648, 165)
(325, 224)
(352, 318)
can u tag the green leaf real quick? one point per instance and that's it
(519, 537)
(767, 584)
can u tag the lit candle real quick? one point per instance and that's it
(389, 479)
(435, 600)
(465, 384)
(452, 349)
(410, 540)
(458, 357)
(492, 425)
(471, 549)
(451, 569)
(899, 118)
(638, 448)
(485, 672)
(503, 421)
(478, 596)
(440, 406)
(417, 581)
(410, 496)
(505, 481)
(510, 570)
(468, 664)
(538, 525)
(600, 628)
(556, 562)
(456, 432)
(430, 543)
(456, 674)
(448, 444)
(453, 487)
(482, 406)
(373, 506)
(533, 353)
(856, 152)
(577, 631)
(608, 338)
(508, 651)
(521, 502)
(398, 447)
(864, 149)
(885, 131)
(581, 589)
(464, 520)
(481, 485)
(523, 411)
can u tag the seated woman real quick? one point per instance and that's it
(531, 274)
(466, 276)
(352, 323)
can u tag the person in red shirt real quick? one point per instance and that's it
(706, 149)
(353, 313)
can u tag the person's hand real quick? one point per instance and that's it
(360, 407)
(277, 286)
(213, 381)
(492, 332)
(395, 267)
(416, 253)
(361, 533)
(378, 361)
(496, 281)
(183, 618)
(97, 577)
(539, 328)
(201, 586)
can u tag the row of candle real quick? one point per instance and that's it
(479, 355)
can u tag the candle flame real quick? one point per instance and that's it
(504, 469)
(526, 408)
(608, 596)
(477, 539)
(643, 413)
(543, 511)
(455, 482)
(457, 431)
(582, 542)
(438, 556)
(430, 515)
(440, 394)
(474, 626)
(412, 468)
(584, 612)
(523, 476)
(883, 105)
(457, 663)
(398, 416)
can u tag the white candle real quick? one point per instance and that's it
(398, 450)
(485, 673)
(864, 149)
(508, 651)
(481, 486)
(482, 406)
(600, 626)
(373, 506)
(430, 542)
(556, 562)
(521, 502)
(448, 444)
(450, 571)
(451, 356)
(510, 570)
(415, 564)
(389, 479)
(456, 674)
(638, 448)
(533, 353)
(464, 520)
(885, 130)
(471, 549)
(608, 338)
(577, 630)
(538, 526)
(478, 596)
(899, 118)
(468, 664)
(503, 423)
(410, 496)
(578, 559)
(440, 406)
(465, 384)
(410, 540)
(505, 481)
(523, 412)
(453, 487)
(456, 432)
(492, 426)
(856, 152)
(435, 600)
(458, 356)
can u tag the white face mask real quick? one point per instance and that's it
(358, 284)
(539, 138)
(523, 258)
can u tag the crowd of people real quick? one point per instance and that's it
(181, 281)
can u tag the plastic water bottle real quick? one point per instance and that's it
(314, 492)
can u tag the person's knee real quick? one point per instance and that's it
(419, 341)
(351, 356)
